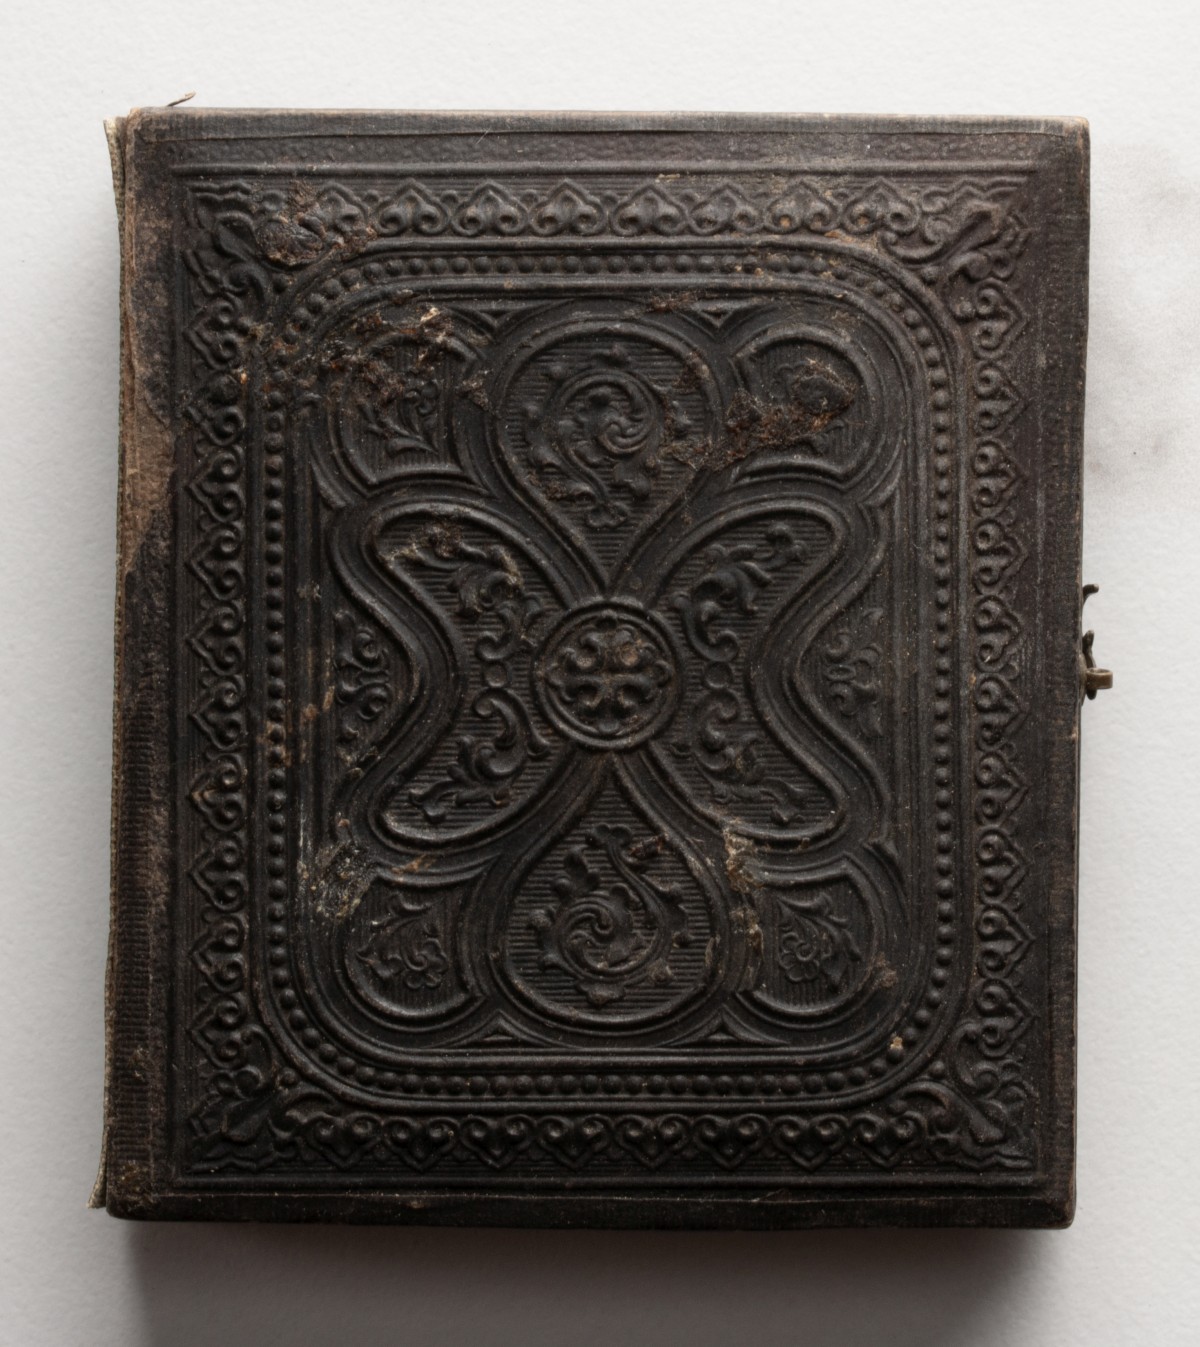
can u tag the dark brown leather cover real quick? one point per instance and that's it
(598, 669)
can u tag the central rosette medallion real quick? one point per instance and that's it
(608, 675)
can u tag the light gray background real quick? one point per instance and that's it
(1127, 1272)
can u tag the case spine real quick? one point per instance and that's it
(114, 131)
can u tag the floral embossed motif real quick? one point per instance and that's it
(490, 599)
(598, 429)
(853, 669)
(816, 948)
(608, 936)
(406, 946)
(364, 679)
(727, 744)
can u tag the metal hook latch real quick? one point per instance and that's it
(1092, 679)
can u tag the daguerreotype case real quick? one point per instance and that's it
(599, 669)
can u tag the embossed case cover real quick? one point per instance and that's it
(598, 669)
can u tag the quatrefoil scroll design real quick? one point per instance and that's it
(578, 782)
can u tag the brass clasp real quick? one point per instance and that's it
(1092, 679)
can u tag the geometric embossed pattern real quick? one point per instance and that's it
(603, 672)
